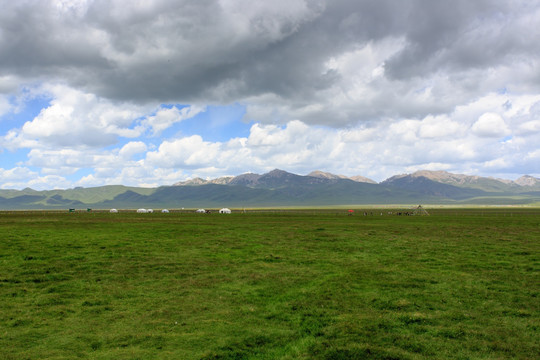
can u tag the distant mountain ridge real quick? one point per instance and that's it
(527, 180)
(444, 177)
(281, 188)
(357, 178)
(251, 179)
(472, 181)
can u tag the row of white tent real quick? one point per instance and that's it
(149, 211)
(165, 211)
(222, 211)
(141, 211)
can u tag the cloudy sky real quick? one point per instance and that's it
(148, 93)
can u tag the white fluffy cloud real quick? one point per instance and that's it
(16, 175)
(166, 117)
(185, 152)
(132, 148)
(434, 127)
(76, 119)
(22, 177)
(490, 125)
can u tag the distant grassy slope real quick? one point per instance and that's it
(22, 201)
(99, 194)
(77, 197)
(210, 195)
(425, 186)
(10, 193)
(501, 200)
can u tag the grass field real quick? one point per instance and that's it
(459, 284)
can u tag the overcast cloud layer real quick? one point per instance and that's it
(149, 93)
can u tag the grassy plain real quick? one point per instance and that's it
(459, 284)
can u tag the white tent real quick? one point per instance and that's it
(113, 211)
(201, 211)
(225, 211)
(150, 211)
(142, 211)
(165, 211)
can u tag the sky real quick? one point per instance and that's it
(150, 93)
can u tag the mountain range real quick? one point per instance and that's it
(280, 188)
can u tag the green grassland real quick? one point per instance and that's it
(459, 284)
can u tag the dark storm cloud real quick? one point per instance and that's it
(461, 35)
(210, 52)
(35, 42)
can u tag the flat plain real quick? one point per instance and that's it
(459, 284)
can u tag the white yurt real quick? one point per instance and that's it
(142, 211)
(165, 211)
(113, 211)
(149, 211)
(201, 211)
(225, 211)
